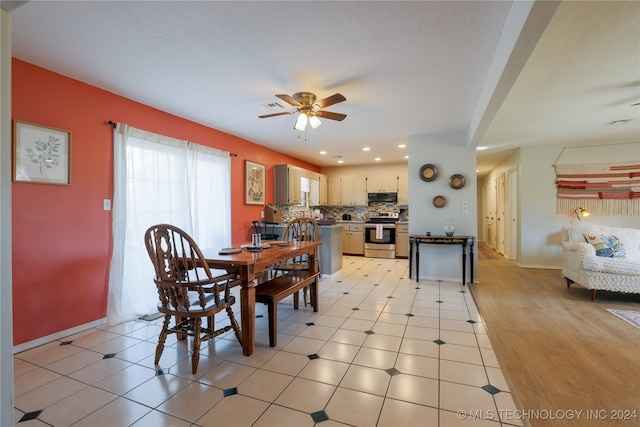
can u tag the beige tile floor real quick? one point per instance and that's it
(382, 350)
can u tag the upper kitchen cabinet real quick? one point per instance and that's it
(353, 191)
(333, 190)
(403, 190)
(377, 179)
(382, 183)
(296, 186)
(287, 184)
(347, 190)
(323, 189)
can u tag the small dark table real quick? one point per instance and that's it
(463, 241)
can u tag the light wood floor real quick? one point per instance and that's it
(561, 351)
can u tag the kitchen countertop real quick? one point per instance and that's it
(330, 252)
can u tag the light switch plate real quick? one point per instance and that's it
(106, 204)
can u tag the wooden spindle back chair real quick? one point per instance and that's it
(188, 289)
(302, 229)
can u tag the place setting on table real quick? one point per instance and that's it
(256, 245)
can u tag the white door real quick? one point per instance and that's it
(491, 214)
(484, 215)
(500, 196)
(512, 215)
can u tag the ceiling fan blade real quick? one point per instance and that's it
(276, 114)
(331, 116)
(333, 99)
(290, 100)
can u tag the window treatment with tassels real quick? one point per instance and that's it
(601, 188)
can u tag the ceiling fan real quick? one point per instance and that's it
(310, 110)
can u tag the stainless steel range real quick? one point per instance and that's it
(380, 235)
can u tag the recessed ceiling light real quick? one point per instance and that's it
(406, 157)
(366, 148)
(377, 159)
(481, 148)
(402, 145)
(340, 161)
(323, 152)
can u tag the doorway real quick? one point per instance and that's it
(512, 214)
(500, 213)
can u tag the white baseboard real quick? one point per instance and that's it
(544, 267)
(44, 340)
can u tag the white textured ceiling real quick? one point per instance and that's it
(406, 68)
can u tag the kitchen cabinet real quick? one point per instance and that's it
(333, 191)
(323, 198)
(353, 239)
(403, 190)
(347, 190)
(353, 190)
(314, 192)
(287, 185)
(382, 184)
(402, 240)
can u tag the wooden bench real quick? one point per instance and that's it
(273, 291)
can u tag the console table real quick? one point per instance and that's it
(464, 241)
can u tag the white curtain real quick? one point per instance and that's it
(158, 179)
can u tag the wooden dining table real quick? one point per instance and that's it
(253, 265)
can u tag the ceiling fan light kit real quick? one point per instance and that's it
(314, 121)
(310, 110)
(301, 122)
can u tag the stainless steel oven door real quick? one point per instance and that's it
(380, 240)
(381, 234)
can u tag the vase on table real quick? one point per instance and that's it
(449, 228)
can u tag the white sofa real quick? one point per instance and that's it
(615, 268)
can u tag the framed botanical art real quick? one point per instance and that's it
(254, 183)
(41, 154)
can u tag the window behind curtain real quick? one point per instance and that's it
(157, 180)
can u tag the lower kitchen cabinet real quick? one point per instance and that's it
(402, 240)
(353, 239)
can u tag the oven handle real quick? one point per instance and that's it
(373, 225)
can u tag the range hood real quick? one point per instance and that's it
(383, 197)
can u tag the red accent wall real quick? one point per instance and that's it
(61, 236)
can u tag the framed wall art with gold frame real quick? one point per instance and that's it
(254, 183)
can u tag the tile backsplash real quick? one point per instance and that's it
(358, 213)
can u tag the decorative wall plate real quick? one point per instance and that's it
(456, 181)
(428, 172)
(439, 201)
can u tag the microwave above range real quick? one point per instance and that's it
(382, 197)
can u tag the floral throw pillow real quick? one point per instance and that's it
(606, 246)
